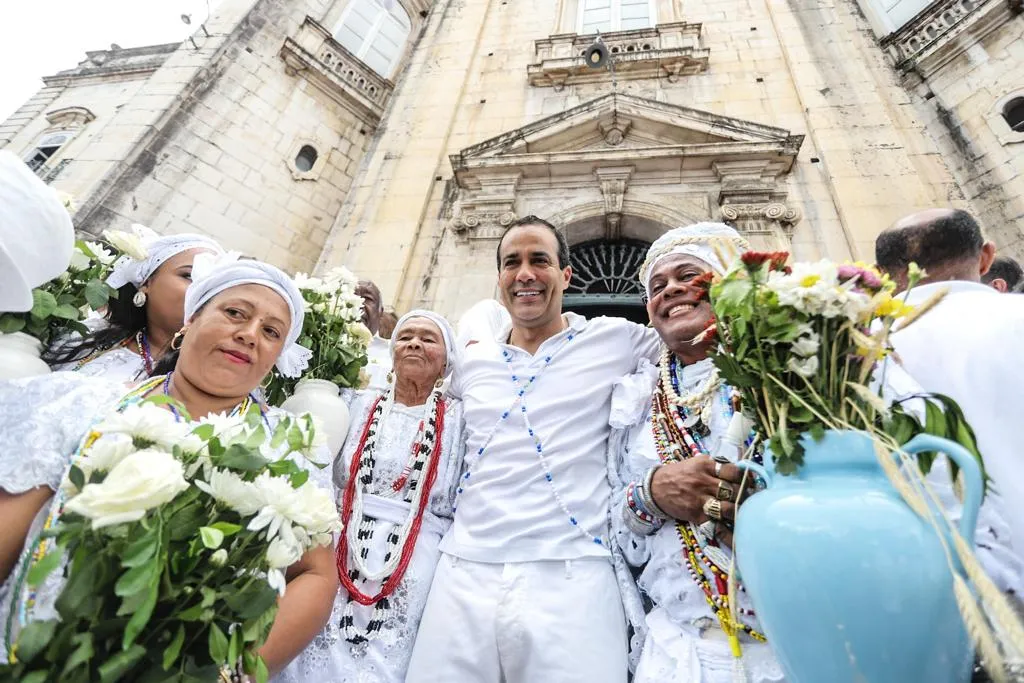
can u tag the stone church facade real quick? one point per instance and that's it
(399, 137)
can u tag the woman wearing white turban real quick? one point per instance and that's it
(396, 477)
(243, 317)
(139, 323)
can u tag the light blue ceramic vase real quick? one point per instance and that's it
(849, 584)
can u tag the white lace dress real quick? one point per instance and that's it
(117, 364)
(42, 421)
(332, 659)
(678, 640)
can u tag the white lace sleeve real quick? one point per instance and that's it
(42, 419)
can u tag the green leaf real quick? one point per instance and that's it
(97, 294)
(140, 551)
(87, 573)
(235, 645)
(218, 644)
(137, 579)
(238, 457)
(77, 477)
(209, 596)
(34, 638)
(298, 479)
(10, 322)
(252, 602)
(141, 617)
(82, 654)
(172, 651)
(262, 672)
(117, 666)
(34, 677)
(66, 312)
(41, 569)
(227, 528)
(43, 304)
(212, 538)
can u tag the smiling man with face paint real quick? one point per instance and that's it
(525, 590)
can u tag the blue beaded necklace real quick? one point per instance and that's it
(522, 386)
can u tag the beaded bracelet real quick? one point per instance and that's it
(646, 492)
(637, 518)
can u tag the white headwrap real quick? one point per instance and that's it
(446, 332)
(211, 275)
(157, 251)
(36, 234)
(700, 240)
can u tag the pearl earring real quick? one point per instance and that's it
(139, 299)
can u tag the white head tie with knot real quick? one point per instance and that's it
(710, 242)
(446, 333)
(154, 251)
(212, 275)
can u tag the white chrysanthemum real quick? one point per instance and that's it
(361, 333)
(140, 482)
(341, 275)
(805, 367)
(277, 581)
(147, 422)
(105, 453)
(308, 507)
(102, 254)
(225, 427)
(806, 345)
(304, 281)
(231, 490)
(282, 554)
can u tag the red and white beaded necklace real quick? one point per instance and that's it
(417, 478)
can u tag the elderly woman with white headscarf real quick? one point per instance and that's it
(675, 431)
(151, 279)
(396, 477)
(242, 318)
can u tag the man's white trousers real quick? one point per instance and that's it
(556, 621)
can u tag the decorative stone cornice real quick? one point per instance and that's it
(945, 29)
(321, 60)
(69, 117)
(486, 210)
(667, 50)
(115, 64)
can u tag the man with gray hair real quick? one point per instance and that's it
(36, 234)
(964, 346)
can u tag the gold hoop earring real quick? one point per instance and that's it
(439, 383)
(177, 340)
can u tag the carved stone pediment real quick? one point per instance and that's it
(613, 143)
(667, 50)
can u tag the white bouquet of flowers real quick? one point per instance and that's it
(332, 330)
(176, 537)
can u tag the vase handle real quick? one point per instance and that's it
(972, 476)
(759, 470)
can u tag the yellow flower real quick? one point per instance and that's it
(889, 307)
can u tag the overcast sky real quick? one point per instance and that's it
(42, 37)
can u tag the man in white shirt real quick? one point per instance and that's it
(966, 347)
(378, 353)
(525, 591)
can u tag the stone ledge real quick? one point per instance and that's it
(945, 29)
(667, 50)
(322, 61)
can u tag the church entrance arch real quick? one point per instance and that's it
(604, 279)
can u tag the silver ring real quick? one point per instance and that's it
(718, 468)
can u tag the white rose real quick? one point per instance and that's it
(148, 423)
(128, 243)
(231, 490)
(361, 333)
(140, 482)
(106, 453)
(79, 260)
(219, 558)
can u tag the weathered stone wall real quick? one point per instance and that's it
(961, 104)
(812, 68)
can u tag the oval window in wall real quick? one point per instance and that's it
(305, 159)
(1013, 112)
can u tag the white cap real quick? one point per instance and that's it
(36, 234)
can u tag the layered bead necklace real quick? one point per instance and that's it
(417, 478)
(676, 422)
(141, 343)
